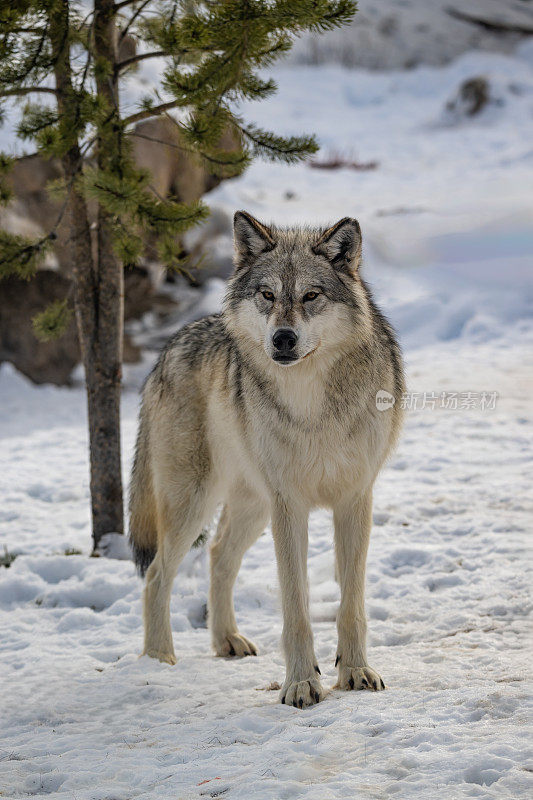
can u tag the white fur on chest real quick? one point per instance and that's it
(296, 445)
(307, 448)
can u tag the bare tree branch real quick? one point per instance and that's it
(158, 141)
(81, 26)
(201, 154)
(155, 111)
(28, 30)
(26, 90)
(121, 65)
(126, 3)
(211, 159)
(133, 18)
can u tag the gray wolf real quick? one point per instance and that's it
(269, 408)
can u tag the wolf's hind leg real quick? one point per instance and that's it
(182, 524)
(353, 521)
(157, 630)
(243, 520)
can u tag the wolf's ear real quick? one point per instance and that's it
(341, 245)
(251, 239)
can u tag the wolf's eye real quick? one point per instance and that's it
(268, 296)
(310, 296)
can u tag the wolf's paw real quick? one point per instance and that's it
(165, 658)
(302, 693)
(358, 678)
(235, 644)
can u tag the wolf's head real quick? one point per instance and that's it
(295, 291)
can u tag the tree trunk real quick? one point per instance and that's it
(98, 300)
(105, 386)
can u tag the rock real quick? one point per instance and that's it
(53, 362)
(472, 96)
(139, 293)
(20, 300)
(475, 97)
(127, 46)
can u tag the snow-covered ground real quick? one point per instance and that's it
(395, 34)
(447, 220)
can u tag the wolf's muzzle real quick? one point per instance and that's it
(284, 341)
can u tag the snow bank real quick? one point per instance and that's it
(400, 34)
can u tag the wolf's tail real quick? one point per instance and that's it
(143, 529)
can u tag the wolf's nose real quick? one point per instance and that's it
(284, 339)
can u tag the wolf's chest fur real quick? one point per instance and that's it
(302, 434)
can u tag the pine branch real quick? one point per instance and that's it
(278, 148)
(22, 76)
(39, 51)
(36, 119)
(21, 256)
(199, 84)
(53, 321)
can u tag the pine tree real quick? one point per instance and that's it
(67, 55)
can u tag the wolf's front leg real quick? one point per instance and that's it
(289, 527)
(353, 521)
